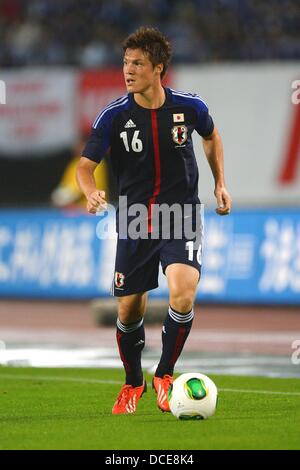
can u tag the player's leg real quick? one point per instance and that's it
(131, 335)
(136, 272)
(182, 283)
(181, 263)
(131, 340)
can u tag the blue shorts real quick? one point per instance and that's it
(137, 261)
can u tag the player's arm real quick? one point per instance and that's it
(213, 149)
(92, 154)
(85, 178)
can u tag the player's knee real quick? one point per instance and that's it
(182, 301)
(130, 312)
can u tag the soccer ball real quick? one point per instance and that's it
(193, 396)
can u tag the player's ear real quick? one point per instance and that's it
(159, 68)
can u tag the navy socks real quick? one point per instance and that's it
(131, 341)
(176, 329)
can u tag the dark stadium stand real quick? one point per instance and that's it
(89, 33)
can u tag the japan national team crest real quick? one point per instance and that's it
(119, 279)
(179, 134)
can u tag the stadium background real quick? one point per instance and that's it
(61, 64)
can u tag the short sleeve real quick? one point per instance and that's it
(205, 124)
(99, 140)
(97, 145)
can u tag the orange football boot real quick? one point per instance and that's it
(161, 386)
(128, 398)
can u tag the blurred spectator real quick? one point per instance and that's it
(24, 38)
(89, 33)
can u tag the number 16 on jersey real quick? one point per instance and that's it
(136, 143)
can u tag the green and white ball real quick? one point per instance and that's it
(193, 396)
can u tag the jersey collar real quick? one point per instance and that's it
(168, 100)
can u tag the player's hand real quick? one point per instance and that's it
(96, 202)
(223, 200)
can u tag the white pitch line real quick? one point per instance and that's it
(60, 379)
(265, 392)
(117, 382)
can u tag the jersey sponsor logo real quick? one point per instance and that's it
(179, 134)
(129, 124)
(179, 117)
(119, 279)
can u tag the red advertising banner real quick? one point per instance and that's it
(291, 157)
(97, 89)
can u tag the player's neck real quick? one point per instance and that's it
(152, 98)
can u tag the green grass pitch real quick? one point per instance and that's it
(71, 409)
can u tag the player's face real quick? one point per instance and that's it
(139, 73)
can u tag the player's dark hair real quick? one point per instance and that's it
(152, 42)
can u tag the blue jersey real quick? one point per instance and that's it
(151, 150)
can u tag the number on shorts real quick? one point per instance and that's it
(190, 247)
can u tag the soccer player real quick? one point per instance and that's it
(149, 133)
